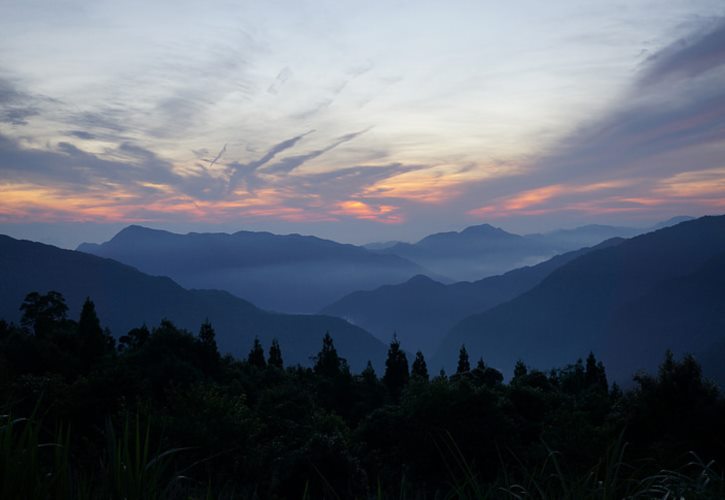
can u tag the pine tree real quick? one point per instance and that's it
(368, 374)
(256, 355)
(420, 367)
(464, 365)
(207, 335)
(327, 362)
(595, 374)
(520, 370)
(92, 340)
(396, 369)
(275, 355)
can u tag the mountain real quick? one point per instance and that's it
(126, 298)
(421, 310)
(582, 236)
(290, 273)
(647, 293)
(473, 253)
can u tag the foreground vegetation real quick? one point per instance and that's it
(161, 414)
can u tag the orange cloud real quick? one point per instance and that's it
(361, 210)
(525, 202)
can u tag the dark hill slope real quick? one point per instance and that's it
(290, 273)
(126, 298)
(421, 311)
(580, 306)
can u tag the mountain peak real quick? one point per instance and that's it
(483, 229)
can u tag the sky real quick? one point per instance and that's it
(357, 121)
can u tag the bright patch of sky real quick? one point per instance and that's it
(336, 116)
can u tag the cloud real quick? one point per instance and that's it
(81, 134)
(16, 106)
(689, 57)
(670, 120)
(287, 165)
(284, 75)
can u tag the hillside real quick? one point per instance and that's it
(422, 310)
(584, 304)
(126, 298)
(290, 273)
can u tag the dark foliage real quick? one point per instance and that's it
(253, 429)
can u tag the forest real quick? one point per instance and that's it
(159, 413)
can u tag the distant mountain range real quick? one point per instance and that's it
(290, 273)
(421, 310)
(484, 250)
(627, 303)
(126, 298)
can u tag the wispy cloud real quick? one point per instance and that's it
(671, 120)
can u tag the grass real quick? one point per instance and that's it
(38, 463)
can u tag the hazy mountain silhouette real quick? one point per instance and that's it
(290, 273)
(606, 300)
(421, 311)
(582, 236)
(484, 250)
(126, 298)
(473, 253)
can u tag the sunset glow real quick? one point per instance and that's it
(301, 117)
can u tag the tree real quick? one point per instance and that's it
(134, 339)
(464, 365)
(486, 375)
(368, 374)
(93, 342)
(520, 370)
(396, 368)
(256, 355)
(420, 367)
(207, 336)
(327, 362)
(43, 312)
(595, 375)
(275, 355)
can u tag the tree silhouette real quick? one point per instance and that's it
(93, 342)
(420, 367)
(43, 312)
(134, 339)
(207, 335)
(275, 355)
(464, 365)
(327, 362)
(256, 355)
(520, 370)
(595, 375)
(396, 369)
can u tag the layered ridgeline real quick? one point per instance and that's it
(472, 253)
(126, 298)
(421, 311)
(627, 303)
(290, 273)
(484, 250)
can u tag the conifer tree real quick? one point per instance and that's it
(520, 370)
(275, 355)
(368, 374)
(92, 341)
(396, 368)
(256, 355)
(327, 362)
(207, 335)
(464, 365)
(420, 367)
